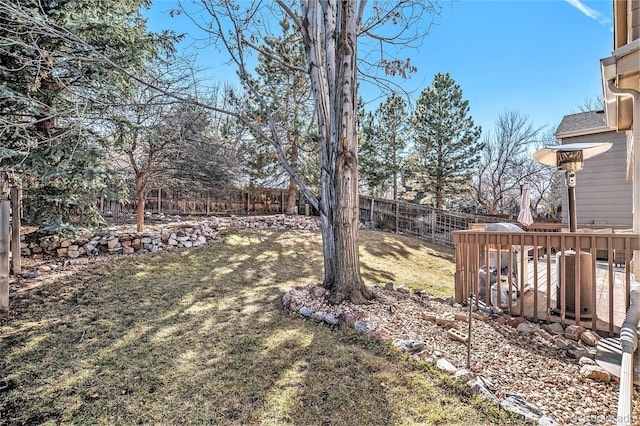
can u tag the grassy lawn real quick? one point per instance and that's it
(200, 337)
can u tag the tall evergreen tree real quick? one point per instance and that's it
(384, 139)
(58, 72)
(447, 146)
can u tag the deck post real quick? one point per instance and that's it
(371, 213)
(635, 140)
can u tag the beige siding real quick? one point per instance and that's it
(635, 20)
(603, 195)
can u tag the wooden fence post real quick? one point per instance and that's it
(4, 255)
(283, 209)
(434, 221)
(371, 214)
(397, 215)
(15, 230)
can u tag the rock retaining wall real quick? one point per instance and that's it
(174, 234)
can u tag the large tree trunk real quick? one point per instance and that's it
(438, 198)
(395, 174)
(292, 196)
(334, 90)
(340, 237)
(141, 199)
(293, 186)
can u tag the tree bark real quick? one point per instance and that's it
(141, 199)
(395, 174)
(334, 90)
(292, 194)
(293, 186)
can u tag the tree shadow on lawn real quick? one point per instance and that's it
(375, 276)
(405, 260)
(397, 246)
(201, 337)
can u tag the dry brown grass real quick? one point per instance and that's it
(200, 337)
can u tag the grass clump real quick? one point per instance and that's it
(200, 337)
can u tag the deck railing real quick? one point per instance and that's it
(425, 222)
(592, 292)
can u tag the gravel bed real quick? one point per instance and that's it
(528, 364)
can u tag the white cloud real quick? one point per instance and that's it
(591, 13)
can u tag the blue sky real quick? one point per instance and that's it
(540, 58)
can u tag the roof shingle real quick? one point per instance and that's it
(586, 121)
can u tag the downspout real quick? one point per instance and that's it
(635, 142)
(629, 330)
(629, 344)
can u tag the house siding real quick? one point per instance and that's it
(635, 20)
(603, 195)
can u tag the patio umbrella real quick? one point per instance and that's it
(525, 217)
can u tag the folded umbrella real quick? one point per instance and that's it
(525, 216)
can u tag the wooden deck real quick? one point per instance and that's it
(545, 308)
(603, 267)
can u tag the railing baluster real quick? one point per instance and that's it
(594, 306)
(627, 269)
(476, 277)
(577, 282)
(510, 276)
(549, 284)
(561, 279)
(498, 272)
(535, 277)
(610, 255)
(487, 284)
(522, 276)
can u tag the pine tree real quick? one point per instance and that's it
(446, 141)
(384, 138)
